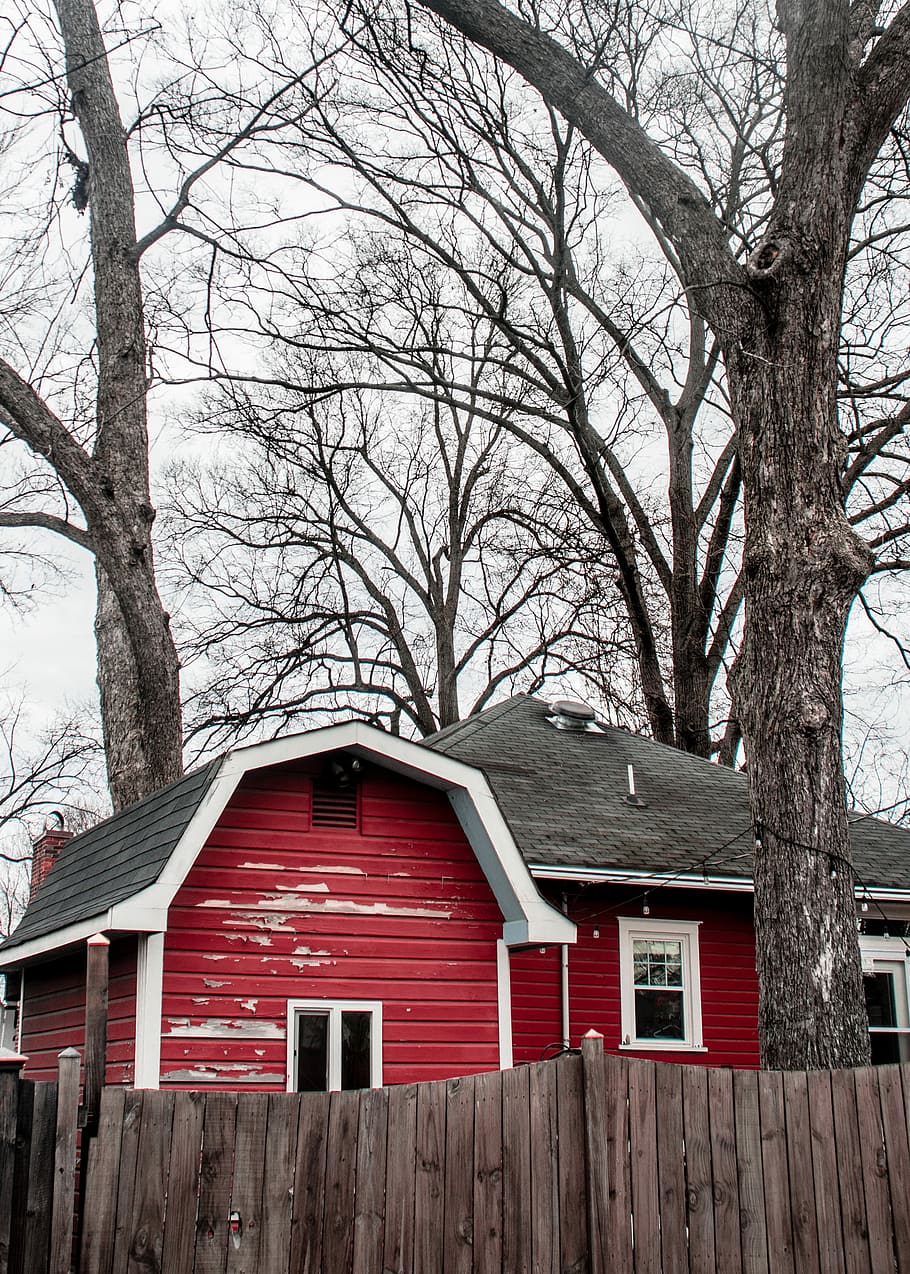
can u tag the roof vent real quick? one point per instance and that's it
(572, 714)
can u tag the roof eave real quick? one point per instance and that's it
(685, 880)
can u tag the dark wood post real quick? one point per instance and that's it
(62, 1210)
(594, 1078)
(96, 984)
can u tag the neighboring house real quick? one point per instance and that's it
(344, 908)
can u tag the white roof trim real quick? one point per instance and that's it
(527, 917)
(688, 880)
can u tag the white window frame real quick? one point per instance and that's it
(334, 1009)
(879, 950)
(632, 928)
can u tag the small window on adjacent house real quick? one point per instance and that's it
(334, 1045)
(887, 992)
(660, 990)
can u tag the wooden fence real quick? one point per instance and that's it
(38, 1136)
(593, 1163)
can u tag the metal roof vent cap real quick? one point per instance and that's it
(572, 714)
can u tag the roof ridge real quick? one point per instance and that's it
(470, 725)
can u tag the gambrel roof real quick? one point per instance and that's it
(534, 801)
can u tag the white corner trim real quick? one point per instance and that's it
(506, 871)
(149, 992)
(504, 1004)
(21, 1013)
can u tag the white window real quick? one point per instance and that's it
(660, 989)
(885, 985)
(333, 1045)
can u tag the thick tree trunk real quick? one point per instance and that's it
(137, 661)
(803, 566)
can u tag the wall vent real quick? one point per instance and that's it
(334, 806)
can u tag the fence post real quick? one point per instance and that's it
(96, 984)
(61, 1247)
(594, 1079)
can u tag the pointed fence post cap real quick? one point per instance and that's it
(98, 940)
(592, 1044)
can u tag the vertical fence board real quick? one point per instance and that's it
(459, 1181)
(278, 1188)
(32, 1222)
(429, 1202)
(369, 1200)
(402, 1151)
(619, 1213)
(850, 1174)
(544, 1169)
(216, 1180)
(516, 1171)
(573, 1226)
(10, 1093)
(875, 1170)
(894, 1121)
(753, 1234)
(340, 1167)
(671, 1170)
(488, 1174)
(309, 1185)
(26, 1146)
(102, 1182)
(699, 1184)
(183, 1182)
(644, 1178)
(146, 1246)
(776, 1172)
(247, 1183)
(727, 1250)
(824, 1171)
(61, 1244)
(799, 1158)
(126, 1179)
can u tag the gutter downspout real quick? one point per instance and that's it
(564, 982)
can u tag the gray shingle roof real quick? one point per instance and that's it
(563, 794)
(114, 860)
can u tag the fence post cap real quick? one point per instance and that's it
(592, 1044)
(69, 1052)
(98, 940)
(11, 1061)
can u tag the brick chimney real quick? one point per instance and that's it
(46, 848)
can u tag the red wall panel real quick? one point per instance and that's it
(396, 909)
(53, 1012)
(729, 986)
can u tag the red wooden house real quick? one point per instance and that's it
(344, 908)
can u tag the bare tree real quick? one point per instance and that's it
(54, 768)
(75, 376)
(365, 556)
(776, 308)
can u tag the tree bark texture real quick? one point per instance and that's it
(137, 660)
(778, 321)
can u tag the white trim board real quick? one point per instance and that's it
(527, 917)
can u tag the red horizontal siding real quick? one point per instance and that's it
(53, 1012)
(396, 910)
(729, 986)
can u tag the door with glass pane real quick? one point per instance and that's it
(885, 986)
